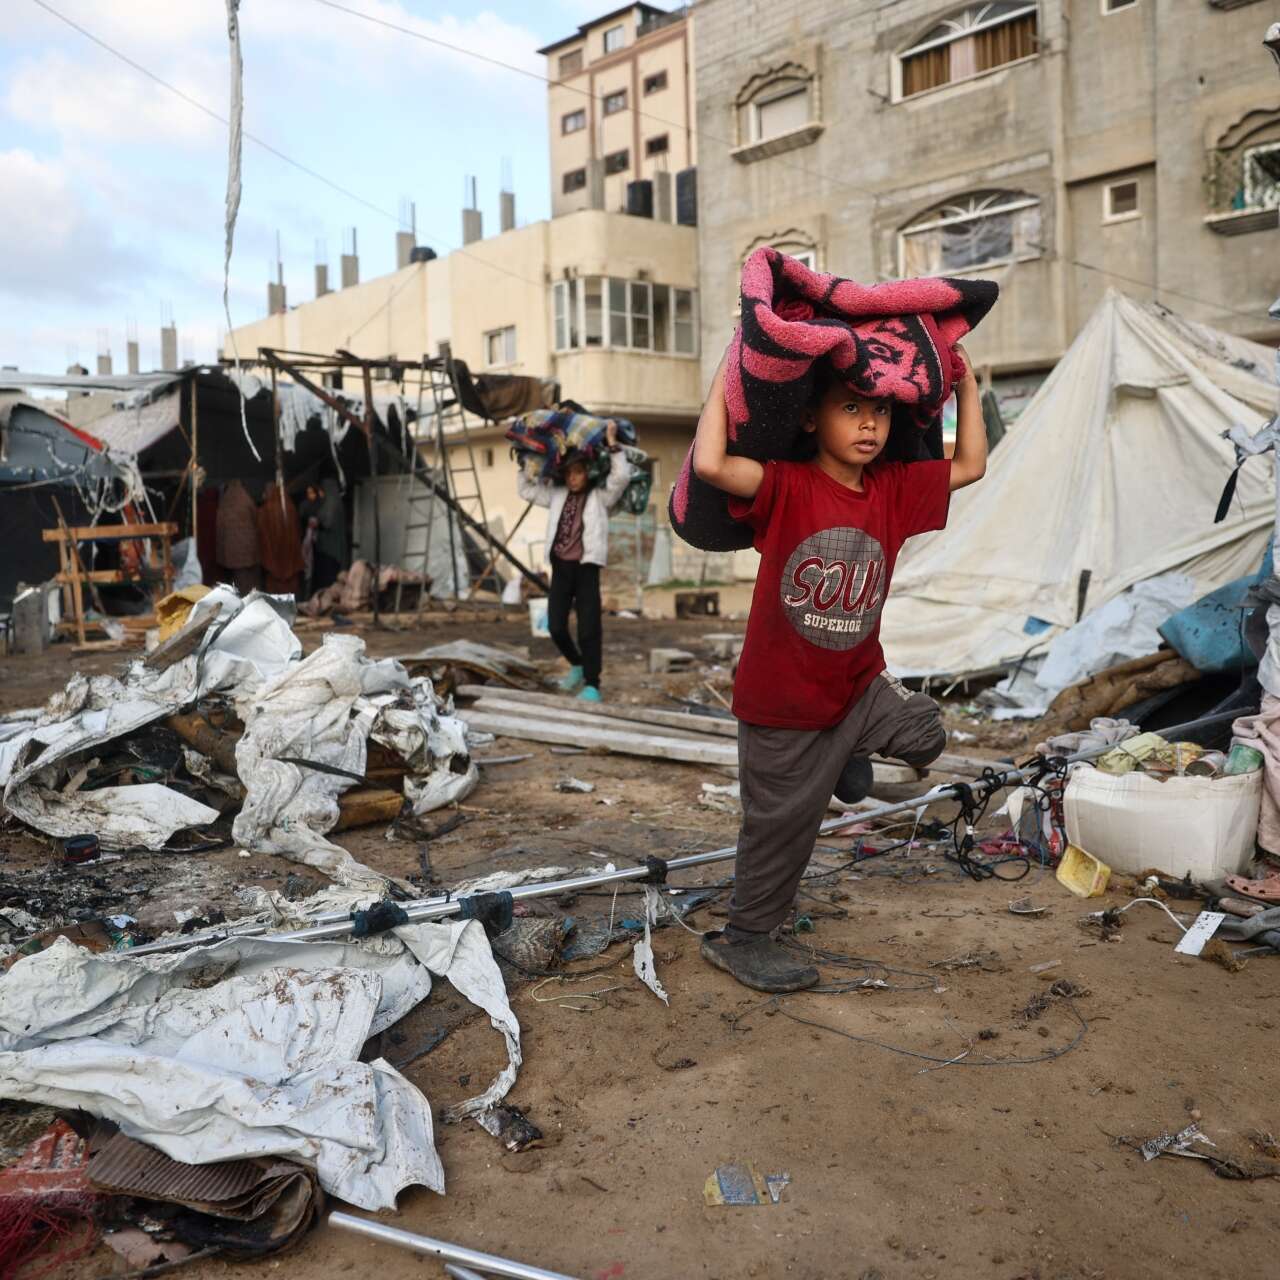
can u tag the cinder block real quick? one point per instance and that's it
(726, 644)
(664, 660)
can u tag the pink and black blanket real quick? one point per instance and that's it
(894, 339)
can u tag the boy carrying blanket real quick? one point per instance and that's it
(828, 514)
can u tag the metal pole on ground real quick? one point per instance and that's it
(436, 908)
(487, 1262)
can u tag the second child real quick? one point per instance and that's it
(578, 538)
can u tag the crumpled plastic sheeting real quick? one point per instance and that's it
(324, 709)
(249, 1047)
(145, 815)
(1123, 628)
(423, 737)
(87, 713)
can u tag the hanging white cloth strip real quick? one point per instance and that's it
(233, 192)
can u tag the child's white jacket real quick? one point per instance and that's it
(595, 512)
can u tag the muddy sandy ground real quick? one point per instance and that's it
(900, 1166)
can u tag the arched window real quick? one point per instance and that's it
(1244, 175)
(776, 111)
(793, 242)
(967, 44)
(982, 229)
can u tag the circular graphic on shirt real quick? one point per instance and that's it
(832, 588)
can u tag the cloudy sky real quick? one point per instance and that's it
(114, 187)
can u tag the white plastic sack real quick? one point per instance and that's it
(1205, 826)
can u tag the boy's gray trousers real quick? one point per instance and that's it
(788, 776)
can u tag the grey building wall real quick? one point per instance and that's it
(1144, 93)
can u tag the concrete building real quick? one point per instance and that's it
(1059, 147)
(621, 112)
(605, 303)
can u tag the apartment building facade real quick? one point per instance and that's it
(621, 114)
(1057, 146)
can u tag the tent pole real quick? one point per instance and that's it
(195, 456)
(373, 484)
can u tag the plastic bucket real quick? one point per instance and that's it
(1082, 873)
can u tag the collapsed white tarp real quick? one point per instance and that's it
(1114, 468)
(1125, 627)
(250, 1047)
(322, 710)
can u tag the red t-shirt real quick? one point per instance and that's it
(827, 556)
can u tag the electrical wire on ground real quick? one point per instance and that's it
(776, 1003)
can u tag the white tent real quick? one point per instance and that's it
(1115, 468)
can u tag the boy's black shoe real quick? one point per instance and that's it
(855, 780)
(757, 961)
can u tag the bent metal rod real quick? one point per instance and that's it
(339, 925)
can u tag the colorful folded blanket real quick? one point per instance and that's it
(545, 437)
(894, 339)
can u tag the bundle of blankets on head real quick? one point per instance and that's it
(894, 340)
(546, 439)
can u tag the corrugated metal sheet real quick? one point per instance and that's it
(125, 1167)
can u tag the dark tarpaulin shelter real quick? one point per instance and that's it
(47, 467)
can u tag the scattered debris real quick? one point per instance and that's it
(1082, 873)
(511, 1127)
(1217, 952)
(1025, 907)
(244, 1208)
(1175, 1143)
(575, 785)
(987, 961)
(743, 1184)
(1204, 926)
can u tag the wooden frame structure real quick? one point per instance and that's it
(75, 578)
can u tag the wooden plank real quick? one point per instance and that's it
(570, 711)
(110, 532)
(98, 575)
(710, 725)
(653, 746)
(501, 706)
(364, 805)
(964, 766)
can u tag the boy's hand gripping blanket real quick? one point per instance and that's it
(894, 339)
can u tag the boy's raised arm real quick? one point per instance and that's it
(969, 461)
(739, 476)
